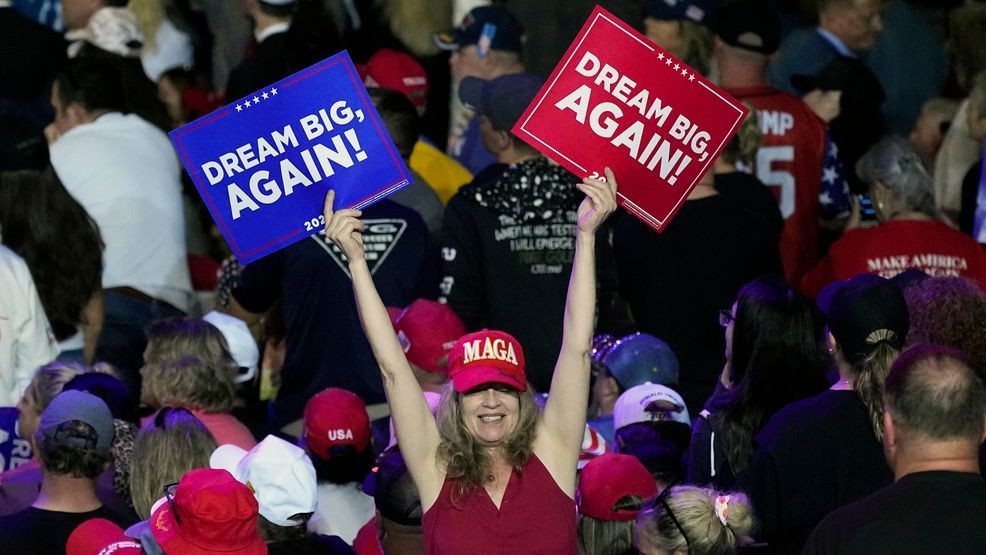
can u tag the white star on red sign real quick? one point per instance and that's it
(676, 68)
(660, 55)
(669, 61)
(691, 77)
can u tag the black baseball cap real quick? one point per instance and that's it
(750, 25)
(864, 311)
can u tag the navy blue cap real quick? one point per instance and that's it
(502, 100)
(506, 31)
(699, 11)
(640, 358)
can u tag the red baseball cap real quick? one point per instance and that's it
(391, 69)
(218, 515)
(99, 536)
(427, 330)
(487, 356)
(335, 417)
(607, 479)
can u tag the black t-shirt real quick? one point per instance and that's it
(677, 281)
(812, 457)
(42, 532)
(326, 346)
(925, 512)
(750, 195)
(508, 241)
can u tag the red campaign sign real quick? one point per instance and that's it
(618, 100)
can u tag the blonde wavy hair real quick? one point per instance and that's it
(164, 450)
(693, 513)
(745, 144)
(870, 373)
(170, 339)
(466, 461)
(189, 382)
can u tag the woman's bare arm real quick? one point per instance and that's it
(563, 424)
(417, 432)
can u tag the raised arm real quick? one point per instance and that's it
(563, 424)
(414, 424)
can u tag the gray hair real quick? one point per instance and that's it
(894, 164)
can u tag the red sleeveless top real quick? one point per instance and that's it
(535, 517)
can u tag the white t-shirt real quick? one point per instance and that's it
(124, 172)
(26, 340)
(342, 510)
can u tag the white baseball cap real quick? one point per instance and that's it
(240, 341)
(280, 474)
(637, 404)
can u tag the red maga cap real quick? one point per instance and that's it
(609, 478)
(427, 330)
(487, 356)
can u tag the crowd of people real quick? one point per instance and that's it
(497, 358)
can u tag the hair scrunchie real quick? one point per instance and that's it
(722, 508)
(882, 334)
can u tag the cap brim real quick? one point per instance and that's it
(477, 376)
(445, 40)
(471, 92)
(805, 83)
(227, 457)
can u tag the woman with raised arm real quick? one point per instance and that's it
(494, 476)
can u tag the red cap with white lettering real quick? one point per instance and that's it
(335, 417)
(487, 356)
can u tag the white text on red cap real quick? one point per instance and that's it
(340, 434)
(493, 349)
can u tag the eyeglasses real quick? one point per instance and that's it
(169, 494)
(662, 499)
(726, 317)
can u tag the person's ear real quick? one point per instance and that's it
(76, 114)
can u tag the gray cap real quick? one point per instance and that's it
(84, 407)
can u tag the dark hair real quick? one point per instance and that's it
(934, 391)
(110, 390)
(394, 492)
(93, 83)
(661, 447)
(139, 92)
(273, 534)
(58, 457)
(776, 360)
(948, 311)
(344, 465)
(67, 267)
(399, 116)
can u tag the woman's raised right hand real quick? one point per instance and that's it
(344, 229)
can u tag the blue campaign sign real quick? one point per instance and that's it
(264, 163)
